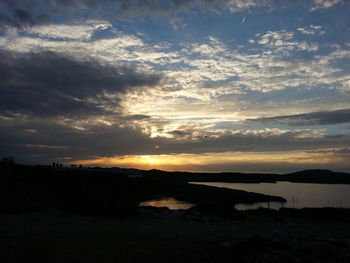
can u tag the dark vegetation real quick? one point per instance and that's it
(30, 188)
(27, 188)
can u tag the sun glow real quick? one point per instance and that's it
(218, 162)
(150, 159)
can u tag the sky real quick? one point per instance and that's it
(202, 85)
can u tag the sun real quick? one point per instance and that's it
(149, 159)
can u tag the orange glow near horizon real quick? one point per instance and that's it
(199, 162)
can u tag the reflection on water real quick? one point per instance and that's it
(168, 202)
(298, 195)
(270, 205)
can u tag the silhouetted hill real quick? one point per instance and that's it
(117, 191)
(318, 172)
(109, 191)
(319, 176)
(306, 176)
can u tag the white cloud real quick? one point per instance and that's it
(240, 5)
(311, 30)
(75, 32)
(197, 76)
(284, 41)
(322, 4)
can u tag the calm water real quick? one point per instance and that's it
(168, 202)
(298, 195)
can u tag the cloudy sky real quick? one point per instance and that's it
(202, 85)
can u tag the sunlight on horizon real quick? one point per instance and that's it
(215, 162)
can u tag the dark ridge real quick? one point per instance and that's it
(318, 176)
(319, 172)
(106, 191)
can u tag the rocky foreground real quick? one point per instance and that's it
(161, 235)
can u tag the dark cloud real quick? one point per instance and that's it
(180, 133)
(253, 142)
(48, 84)
(344, 151)
(314, 118)
(41, 140)
(154, 7)
(24, 17)
(62, 140)
(137, 117)
(22, 13)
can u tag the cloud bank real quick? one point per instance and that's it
(48, 84)
(24, 13)
(307, 119)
